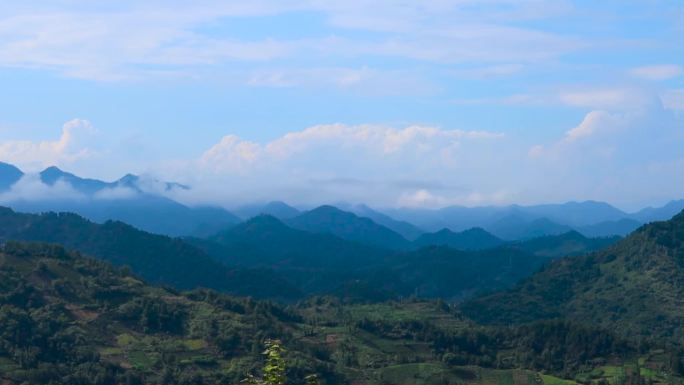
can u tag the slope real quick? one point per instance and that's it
(402, 228)
(156, 258)
(635, 287)
(563, 245)
(66, 319)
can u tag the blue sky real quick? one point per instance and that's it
(392, 103)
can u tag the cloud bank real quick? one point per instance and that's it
(624, 156)
(74, 144)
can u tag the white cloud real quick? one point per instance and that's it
(73, 145)
(364, 161)
(611, 98)
(613, 156)
(236, 155)
(365, 79)
(658, 72)
(616, 98)
(115, 193)
(595, 122)
(133, 40)
(231, 153)
(421, 198)
(31, 188)
(424, 198)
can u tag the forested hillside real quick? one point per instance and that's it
(66, 319)
(156, 258)
(635, 287)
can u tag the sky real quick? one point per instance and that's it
(391, 103)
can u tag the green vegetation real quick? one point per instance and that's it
(296, 264)
(634, 288)
(66, 319)
(156, 258)
(320, 264)
(612, 317)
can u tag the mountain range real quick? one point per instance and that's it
(589, 318)
(297, 263)
(323, 263)
(131, 199)
(156, 258)
(146, 203)
(515, 222)
(524, 299)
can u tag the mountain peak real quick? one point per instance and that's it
(262, 222)
(329, 209)
(9, 175)
(54, 170)
(330, 219)
(475, 238)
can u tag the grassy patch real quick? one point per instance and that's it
(649, 373)
(551, 380)
(110, 351)
(140, 360)
(125, 340)
(195, 344)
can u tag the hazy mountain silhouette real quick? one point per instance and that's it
(346, 225)
(514, 221)
(471, 239)
(620, 227)
(666, 212)
(405, 229)
(280, 210)
(125, 200)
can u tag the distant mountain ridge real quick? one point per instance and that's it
(591, 218)
(143, 202)
(346, 225)
(473, 239)
(277, 209)
(52, 175)
(127, 200)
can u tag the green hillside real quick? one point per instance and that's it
(156, 258)
(66, 319)
(635, 287)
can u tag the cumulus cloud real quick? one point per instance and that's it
(595, 122)
(236, 155)
(73, 145)
(610, 153)
(362, 163)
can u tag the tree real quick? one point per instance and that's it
(274, 369)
